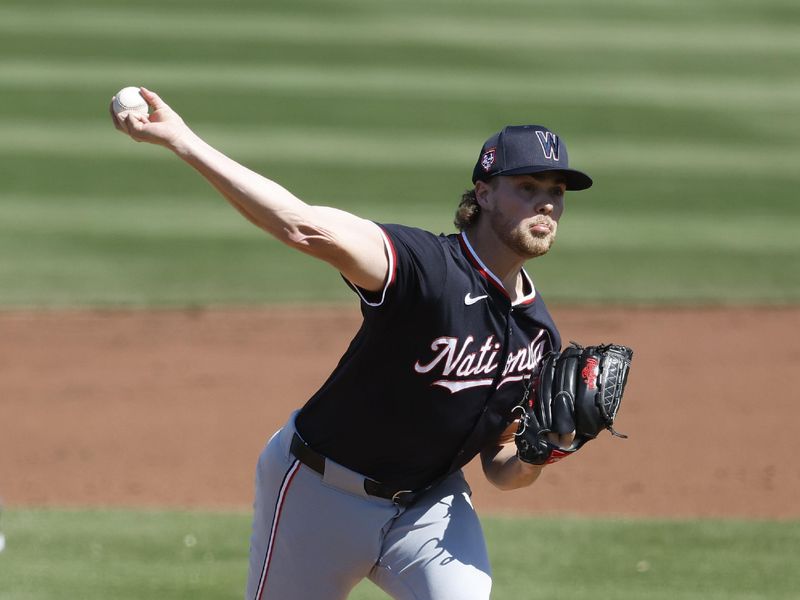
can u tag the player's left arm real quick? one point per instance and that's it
(501, 465)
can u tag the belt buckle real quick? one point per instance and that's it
(396, 497)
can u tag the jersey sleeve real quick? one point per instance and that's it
(417, 271)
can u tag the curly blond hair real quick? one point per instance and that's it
(468, 211)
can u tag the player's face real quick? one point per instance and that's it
(525, 211)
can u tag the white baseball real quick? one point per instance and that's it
(129, 99)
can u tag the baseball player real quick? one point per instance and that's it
(365, 479)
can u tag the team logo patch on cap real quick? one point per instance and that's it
(487, 159)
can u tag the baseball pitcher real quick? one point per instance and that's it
(457, 357)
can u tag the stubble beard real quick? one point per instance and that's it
(522, 240)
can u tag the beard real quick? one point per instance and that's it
(522, 240)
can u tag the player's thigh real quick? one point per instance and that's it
(436, 549)
(274, 473)
(309, 539)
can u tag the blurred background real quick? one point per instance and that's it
(685, 112)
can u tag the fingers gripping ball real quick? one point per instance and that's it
(129, 99)
(578, 389)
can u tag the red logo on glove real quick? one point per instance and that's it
(556, 456)
(590, 372)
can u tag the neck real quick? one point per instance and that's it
(503, 262)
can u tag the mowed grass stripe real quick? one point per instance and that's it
(203, 218)
(672, 9)
(149, 216)
(655, 90)
(363, 148)
(387, 27)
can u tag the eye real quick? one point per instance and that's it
(557, 192)
(531, 189)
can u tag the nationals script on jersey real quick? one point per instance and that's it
(461, 368)
(437, 366)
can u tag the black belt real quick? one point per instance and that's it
(316, 462)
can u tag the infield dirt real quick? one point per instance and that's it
(171, 408)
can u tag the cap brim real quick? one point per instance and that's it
(576, 180)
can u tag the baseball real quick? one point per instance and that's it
(129, 99)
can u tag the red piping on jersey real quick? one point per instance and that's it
(487, 274)
(287, 481)
(473, 258)
(532, 298)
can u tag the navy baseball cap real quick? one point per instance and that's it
(525, 149)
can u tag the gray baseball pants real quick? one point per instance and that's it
(315, 537)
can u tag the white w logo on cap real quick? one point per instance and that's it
(549, 143)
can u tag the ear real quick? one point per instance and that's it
(483, 195)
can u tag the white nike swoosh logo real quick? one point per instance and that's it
(469, 300)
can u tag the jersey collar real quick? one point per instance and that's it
(487, 274)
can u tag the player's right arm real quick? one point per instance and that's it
(352, 245)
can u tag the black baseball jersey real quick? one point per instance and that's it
(436, 368)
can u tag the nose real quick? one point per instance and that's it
(545, 207)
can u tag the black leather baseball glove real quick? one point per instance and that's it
(580, 390)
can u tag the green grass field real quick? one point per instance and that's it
(687, 113)
(93, 555)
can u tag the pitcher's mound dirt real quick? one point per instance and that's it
(171, 408)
